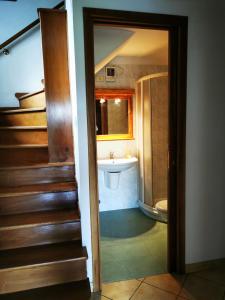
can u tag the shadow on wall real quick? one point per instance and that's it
(124, 223)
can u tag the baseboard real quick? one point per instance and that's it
(204, 265)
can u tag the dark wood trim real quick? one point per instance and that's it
(123, 94)
(104, 92)
(92, 153)
(22, 96)
(19, 95)
(53, 25)
(6, 108)
(26, 29)
(177, 27)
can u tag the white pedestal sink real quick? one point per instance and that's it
(112, 169)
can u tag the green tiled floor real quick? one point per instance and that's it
(132, 245)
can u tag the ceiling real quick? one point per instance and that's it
(111, 42)
(146, 42)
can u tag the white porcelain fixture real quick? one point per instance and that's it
(161, 206)
(118, 183)
(112, 169)
(116, 164)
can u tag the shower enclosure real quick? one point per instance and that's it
(152, 124)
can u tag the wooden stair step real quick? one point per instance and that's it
(79, 290)
(22, 127)
(43, 165)
(37, 189)
(42, 266)
(24, 117)
(38, 202)
(38, 219)
(37, 228)
(25, 154)
(8, 108)
(22, 110)
(37, 255)
(36, 99)
(23, 146)
(19, 135)
(36, 174)
(38, 197)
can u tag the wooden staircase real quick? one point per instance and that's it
(40, 235)
(23, 132)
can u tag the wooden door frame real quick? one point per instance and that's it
(177, 27)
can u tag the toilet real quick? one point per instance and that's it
(161, 207)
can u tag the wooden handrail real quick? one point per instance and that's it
(26, 29)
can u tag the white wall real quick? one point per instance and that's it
(205, 188)
(22, 69)
(14, 16)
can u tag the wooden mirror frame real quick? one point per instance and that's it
(123, 94)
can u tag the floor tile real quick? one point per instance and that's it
(167, 282)
(99, 297)
(140, 279)
(121, 290)
(148, 292)
(196, 288)
(216, 274)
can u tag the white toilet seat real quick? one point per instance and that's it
(161, 206)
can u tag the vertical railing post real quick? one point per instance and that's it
(57, 89)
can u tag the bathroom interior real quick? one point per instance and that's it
(131, 92)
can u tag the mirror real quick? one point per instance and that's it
(114, 114)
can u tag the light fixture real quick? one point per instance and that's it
(117, 100)
(102, 100)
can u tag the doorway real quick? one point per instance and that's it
(177, 30)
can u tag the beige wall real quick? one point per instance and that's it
(129, 70)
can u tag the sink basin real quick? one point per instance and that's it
(117, 164)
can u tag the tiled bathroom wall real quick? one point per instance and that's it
(129, 70)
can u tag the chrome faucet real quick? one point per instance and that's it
(111, 155)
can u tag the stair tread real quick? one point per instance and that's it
(30, 94)
(22, 127)
(42, 254)
(38, 189)
(39, 165)
(23, 110)
(23, 146)
(8, 108)
(79, 290)
(38, 218)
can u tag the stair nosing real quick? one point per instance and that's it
(43, 223)
(24, 193)
(43, 264)
(23, 146)
(23, 127)
(41, 165)
(47, 261)
(8, 228)
(23, 110)
(31, 94)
